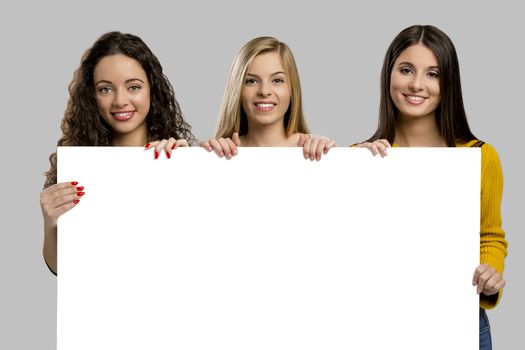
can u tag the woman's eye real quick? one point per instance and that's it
(405, 70)
(134, 87)
(250, 81)
(104, 90)
(433, 74)
(278, 80)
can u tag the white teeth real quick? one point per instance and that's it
(265, 105)
(415, 98)
(123, 114)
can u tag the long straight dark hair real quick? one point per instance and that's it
(450, 114)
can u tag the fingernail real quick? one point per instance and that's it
(174, 146)
(80, 188)
(168, 155)
(80, 194)
(146, 145)
(74, 183)
(76, 201)
(156, 155)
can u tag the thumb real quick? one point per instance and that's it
(236, 139)
(302, 139)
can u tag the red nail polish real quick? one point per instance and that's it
(76, 201)
(168, 155)
(156, 155)
(74, 183)
(80, 194)
(80, 188)
(146, 145)
(174, 146)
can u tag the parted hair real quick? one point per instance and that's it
(232, 117)
(450, 114)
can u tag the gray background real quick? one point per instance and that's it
(339, 50)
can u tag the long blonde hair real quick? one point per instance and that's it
(232, 117)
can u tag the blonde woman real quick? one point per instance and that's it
(262, 105)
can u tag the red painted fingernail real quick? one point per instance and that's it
(156, 155)
(80, 194)
(74, 183)
(146, 145)
(76, 201)
(168, 155)
(80, 188)
(174, 146)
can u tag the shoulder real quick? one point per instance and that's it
(489, 155)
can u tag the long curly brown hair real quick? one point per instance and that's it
(82, 124)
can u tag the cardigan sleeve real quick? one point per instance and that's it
(493, 246)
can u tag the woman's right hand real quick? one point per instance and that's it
(58, 199)
(223, 147)
(376, 147)
(167, 145)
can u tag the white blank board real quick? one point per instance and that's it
(268, 250)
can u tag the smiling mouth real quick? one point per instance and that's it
(265, 106)
(415, 99)
(122, 116)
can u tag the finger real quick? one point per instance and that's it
(320, 149)
(57, 187)
(216, 146)
(151, 144)
(170, 145)
(372, 148)
(484, 277)
(52, 209)
(236, 139)
(490, 285)
(384, 142)
(313, 148)
(159, 147)
(232, 146)
(181, 143)
(381, 148)
(49, 200)
(302, 139)
(206, 145)
(496, 288)
(500, 285)
(65, 208)
(477, 272)
(306, 148)
(225, 147)
(330, 144)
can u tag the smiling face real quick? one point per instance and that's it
(266, 93)
(414, 83)
(123, 97)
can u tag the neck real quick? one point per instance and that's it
(265, 136)
(136, 138)
(418, 132)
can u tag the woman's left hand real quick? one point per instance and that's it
(376, 147)
(314, 147)
(488, 280)
(167, 145)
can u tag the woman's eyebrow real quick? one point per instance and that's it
(103, 81)
(256, 76)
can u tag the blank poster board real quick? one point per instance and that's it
(268, 250)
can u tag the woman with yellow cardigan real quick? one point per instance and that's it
(422, 106)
